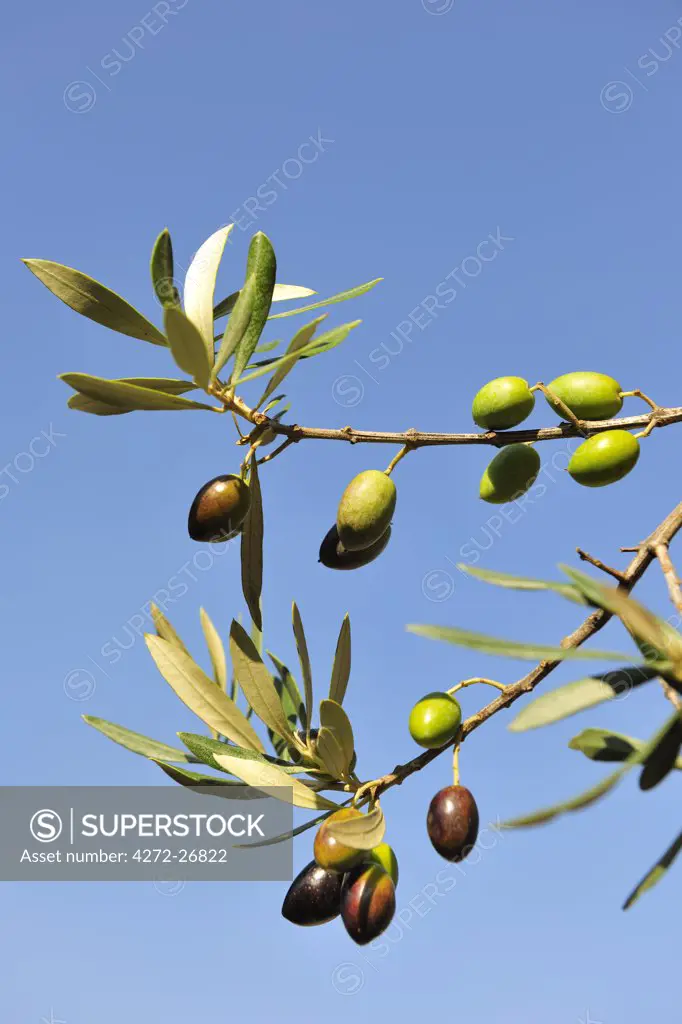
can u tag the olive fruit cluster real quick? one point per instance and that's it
(363, 522)
(602, 459)
(357, 884)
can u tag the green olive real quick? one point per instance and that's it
(502, 403)
(219, 509)
(510, 474)
(589, 396)
(435, 719)
(365, 509)
(329, 852)
(384, 856)
(604, 458)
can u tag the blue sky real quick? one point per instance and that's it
(551, 126)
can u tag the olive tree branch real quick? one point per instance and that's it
(646, 553)
(659, 417)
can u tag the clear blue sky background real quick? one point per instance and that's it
(446, 126)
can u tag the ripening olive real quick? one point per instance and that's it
(334, 555)
(314, 896)
(329, 852)
(384, 856)
(589, 396)
(365, 509)
(219, 509)
(452, 822)
(604, 458)
(509, 474)
(435, 719)
(502, 403)
(367, 902)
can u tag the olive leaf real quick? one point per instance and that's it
(135, 741)
(304, 658)
(187, 345)
(165, 630)
(655, 874)
(330, 752)
(292, 833)
(290, 686)
(98, 408)
(661, 761)
(362, 833)
(276, 783)
(200, 286)
(200, 694)
(162, 270)
(594, 793)
(351, 293)
(341, 666)
(335, 722)
(504, 579)
(81, 403)
(604, 745)
(261, 266)
(205, 749)
(299, 341)
(317, 346)
(252, 549)
(578, 696)
(256, 682)
(92, 300)
(130, 396)
(511, 648)
(215, 649)
(281, 293)
(237, 326)
(237, 789)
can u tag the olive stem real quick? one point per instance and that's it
(616, 573)
(396, 459)
(640, 394)
(455, 765)
(277, 451)
(476, 679)
(563, 408)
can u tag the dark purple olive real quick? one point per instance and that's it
(335, 556)
(219, 509)
(452, 822)
(367, 902)
(314, 896)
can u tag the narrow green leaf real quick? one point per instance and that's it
(655, 874)
(290, 685)
(200, 286)
(661, 761)
(91, 299)
(97, 408)
(215, 649)
(267, 776)
(304, 658)
(267, 346)
(584, 693)
(81, 403)
(334, 720)
(205, 749)
(165, 630)
(135, 741)
(604, 745)
(187, 345)
(256, 682)
(281, 293)
(285, 836)
(504, 579)
(351, 293)
(200, 694)
(130, 396)
(317, 346)
(238, 791)
(237, 327)
(261, 265)
(360, 833)
(511, 648)
(299, 341)
(328, 749)
(252, 549)
(162, 270)
(341, 666)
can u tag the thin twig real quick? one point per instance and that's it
(616, 573)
